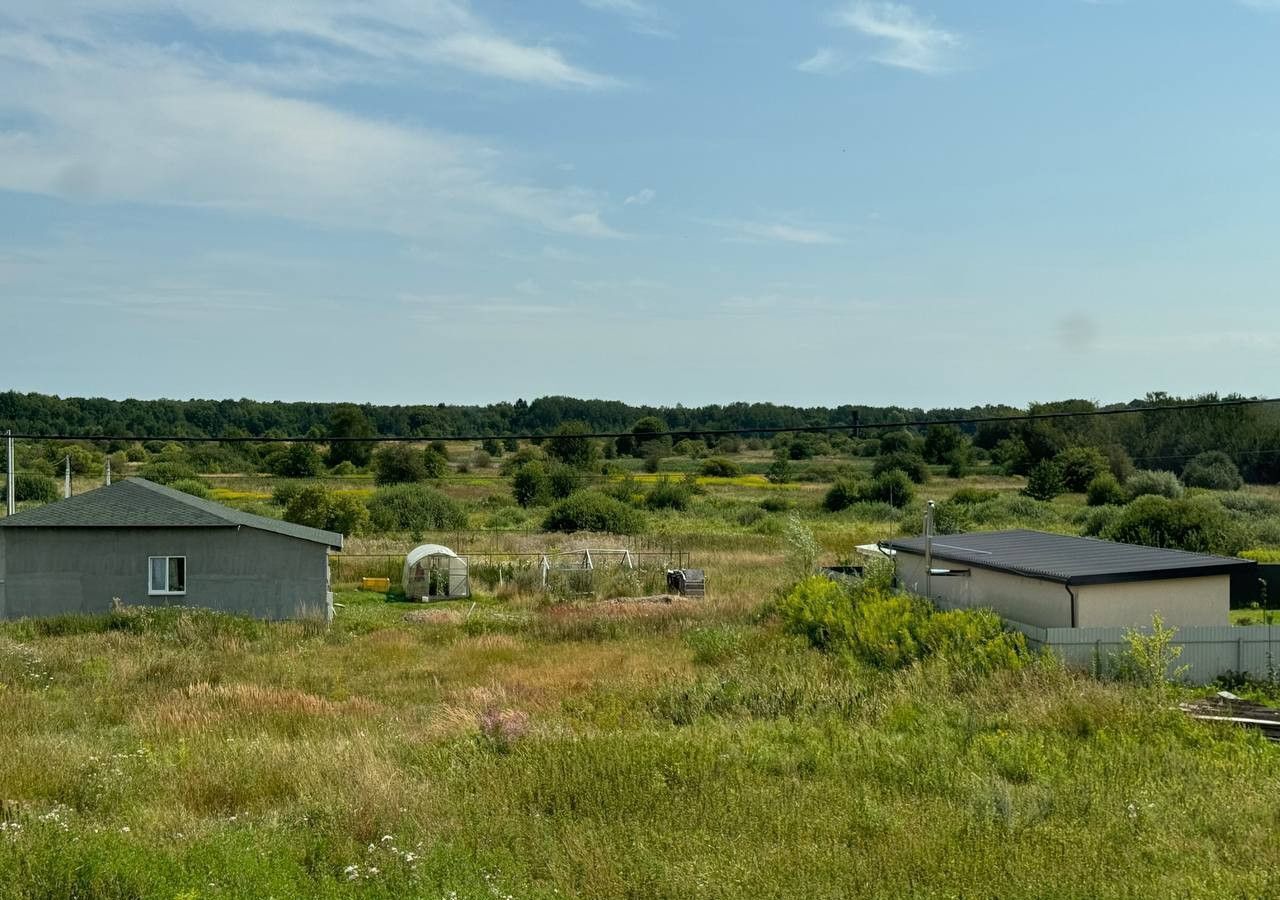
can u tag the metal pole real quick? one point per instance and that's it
(66, 484)
(928, 549)
(108, 471)
(11, 491)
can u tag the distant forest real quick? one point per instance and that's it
(1159, 440)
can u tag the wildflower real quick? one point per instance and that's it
(352, 872)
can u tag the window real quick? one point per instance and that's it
(167, 575)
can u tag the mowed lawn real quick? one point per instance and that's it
(518, 749)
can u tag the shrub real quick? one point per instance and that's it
(414, 507)
(969, 496)
(29, 487)
(779, 471)
(346, 467)
(893, 487)
(593, 511)
(1160, 484)
(694, 449)
(1099, 519)
(281, 494)
(311, 505)
(531, 486)
(899, 442)
(399, 464)
(719, 467)
(668, 494)
(973, 640)
(563, 480)
(1081, 465)
(167, 472)
(522, 457)
(193, 486)
(1105, 490)
(1199, 525)
(819, 609)
(348, 514)
(296, 461)
(941, 442)
(435, 464)
(910, 463)
(491, 446)
(653, 462)
(775, 504)
(1045, 481)
(843, 494)
(481, 459)
(1214, 470)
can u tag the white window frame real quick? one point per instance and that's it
(151, 592)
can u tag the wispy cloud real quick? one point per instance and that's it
(98, 112)
(641, 17)
(781, 232)
(824, 61)
(641, 198)
(907, 40)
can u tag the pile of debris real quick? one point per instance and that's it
(1227, 707)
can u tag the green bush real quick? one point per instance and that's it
(399, 464)
(570, 445)
(281, 494)
(668, 494)
(1081, 465)
(1198, 524)
(893, 487)
(843, 494)
(563, 480)
(414, 507)
(346, 467)
(779, 471)
(1159, 484)
(892, 630)
(28, 487)
(1105, 490)
(593, 511)
(531, 485)
(969, 496)
(1214, 470)
(167, 472)
(435, 462)
(295, 461)
(911, 463)
(719, 467)
(1044, 481)
(311, 505)
(348, 515)
(1261, 555)
(775, 504)
(193, 486)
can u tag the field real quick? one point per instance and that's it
(520, 747)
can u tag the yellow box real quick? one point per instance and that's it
(375, 584)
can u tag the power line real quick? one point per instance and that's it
(853, 427)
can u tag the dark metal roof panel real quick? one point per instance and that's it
(1070, 560)
(138, 503)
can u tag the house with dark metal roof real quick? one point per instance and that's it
(1060, 581)
(147, 544)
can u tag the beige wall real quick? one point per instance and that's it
(1180, 601)
(1027, 600)
(1046, 604)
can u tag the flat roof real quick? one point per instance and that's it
(1070, 560)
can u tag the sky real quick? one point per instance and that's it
(441, 201)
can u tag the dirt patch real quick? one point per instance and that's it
(435, 617)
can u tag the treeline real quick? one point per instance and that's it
(1163, 439)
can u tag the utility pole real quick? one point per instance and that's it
(928, 550)
(66, 484)
(10, 490)
(108, 471)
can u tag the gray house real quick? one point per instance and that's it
(149, 544)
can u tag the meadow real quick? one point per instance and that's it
(525, 745)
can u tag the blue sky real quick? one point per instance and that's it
(934, 204)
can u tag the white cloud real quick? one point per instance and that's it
(641, 17)
(98, 113)
(907, 39)
(320, 33)
(780, 232)
(824, 61)
(641, 198)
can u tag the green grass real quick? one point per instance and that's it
(511, 747)
(648, 752)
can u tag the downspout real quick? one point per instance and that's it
(1074, 605)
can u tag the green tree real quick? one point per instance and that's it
(940, 441)
(1214, 470)
(531, 485)
(399, 464)
(298, 461)
(312, 506)
(1045, 481)
(1080, 465)
(570, 444)
(644, 433)
(349, 421)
